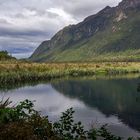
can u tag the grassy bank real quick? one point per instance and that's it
(23, 71)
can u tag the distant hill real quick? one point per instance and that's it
(113, 34)
(5, 56)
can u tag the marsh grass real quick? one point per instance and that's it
(12, 72)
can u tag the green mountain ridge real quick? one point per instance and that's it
(113, 34)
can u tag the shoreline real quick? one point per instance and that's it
(13, 72)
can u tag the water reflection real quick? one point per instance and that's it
(96, 101)
(112, 97)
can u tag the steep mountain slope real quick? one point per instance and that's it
(111, 34)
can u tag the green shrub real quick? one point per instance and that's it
(5, 56)
(22, 122)
(67, 129)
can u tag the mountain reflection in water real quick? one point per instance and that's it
(98, 101)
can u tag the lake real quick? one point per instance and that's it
(108, 100)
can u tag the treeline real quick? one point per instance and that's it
(4, 55)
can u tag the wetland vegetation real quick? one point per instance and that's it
(20, 71)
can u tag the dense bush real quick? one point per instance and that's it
(5, 56)
(22, 122)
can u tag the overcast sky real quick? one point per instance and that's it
(24, 24)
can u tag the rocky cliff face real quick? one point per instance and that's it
(125, 4)
(106, 21)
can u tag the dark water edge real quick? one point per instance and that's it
(114, 100)
(5, 87)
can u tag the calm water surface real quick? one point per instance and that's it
(115, 102)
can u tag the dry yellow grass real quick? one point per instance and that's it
(18, 71)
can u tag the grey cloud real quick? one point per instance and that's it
(18, 48)
(82, 8)
(22, 33)
(3, 21)
(19, 15)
